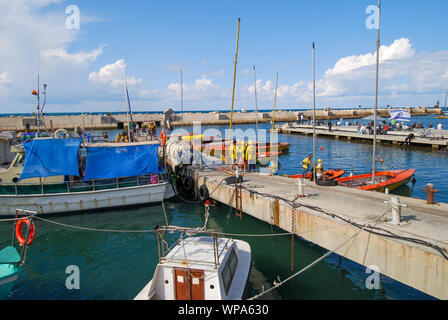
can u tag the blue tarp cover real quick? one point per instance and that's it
(110, 162)
(51, 157)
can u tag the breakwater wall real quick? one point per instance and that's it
(169, 117)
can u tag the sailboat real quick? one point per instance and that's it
(378, 181)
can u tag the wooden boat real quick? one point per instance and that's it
(385, 179)
(201, 268)
(331, 174)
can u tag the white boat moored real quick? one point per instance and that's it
(201, 268)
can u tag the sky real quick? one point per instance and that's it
(83, 63)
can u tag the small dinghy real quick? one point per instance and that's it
(386, 179)
(199, 268)
(11, 261)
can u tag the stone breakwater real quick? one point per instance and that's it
(169, 117)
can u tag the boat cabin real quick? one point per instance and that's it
(201, 268)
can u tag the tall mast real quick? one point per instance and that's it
(376, 93)
(256, 102)
(128, 111)
(234, 81)
(314, 108)
(275, 104)
(38, 95)
(182, 95)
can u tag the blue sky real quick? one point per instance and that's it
(83, 70)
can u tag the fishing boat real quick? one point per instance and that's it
(200, 268)
(11, 262)
(331, 174)
(390, 180)
(62, 175)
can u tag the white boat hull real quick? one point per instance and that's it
(83, 201)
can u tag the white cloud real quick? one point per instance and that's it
(4, 79)
(113, 75)
(218, 73)
(78, 58)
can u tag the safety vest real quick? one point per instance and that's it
(232, 151)
(251, 153)
(240, 149)
(306, 163)
(319, 168)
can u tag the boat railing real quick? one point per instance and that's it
(217, 254)
(81, 186)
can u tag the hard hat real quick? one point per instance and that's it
(320, 161)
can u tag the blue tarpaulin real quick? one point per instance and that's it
(51, 157)
(108, 162)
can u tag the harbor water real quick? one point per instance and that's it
(117, 265)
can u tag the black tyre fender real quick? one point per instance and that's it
(327, 183)
(188, 183)
(203, 193)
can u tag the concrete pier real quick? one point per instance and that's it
(411, 263)
(351, 134)
(119, 121)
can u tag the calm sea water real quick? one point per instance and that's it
(119, 265)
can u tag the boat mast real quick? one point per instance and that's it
(314, 108)
(234, 81)
(376, 93)
(275, 104)
(128, 111)
(256, 102)
(38, 96)
(182, 95)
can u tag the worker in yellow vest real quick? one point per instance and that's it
(251, 156)
(306, 166)
(241, 155)
(319, 170)
(232, 153)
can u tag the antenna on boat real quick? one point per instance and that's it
(38, 95)
(376, 93)
(256, 102)
(234, 81)
(314, 109)
(275, 104)
(182, 95)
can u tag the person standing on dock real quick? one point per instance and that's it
(329, 125)
(241, 152)
(306, 165)
(232, 153)
(440, 126)
(251, 156)
(320, 175)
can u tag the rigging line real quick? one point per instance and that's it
(276, 285)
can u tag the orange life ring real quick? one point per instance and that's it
(19, 233)
(163, 137)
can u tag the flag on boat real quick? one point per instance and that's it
(400, 115)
